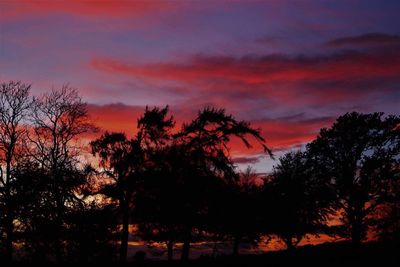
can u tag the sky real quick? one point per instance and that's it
(288, 67)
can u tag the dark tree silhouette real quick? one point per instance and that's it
(14, 105)
(38, 224)
(152, 206)
(359, 156)
(58, 119)
(35, 210)
(119, 159)
(205, 142)
(92, 233)
(179, 192)
(246, 209)
(125, 162)
(155, 127)
(158, 204)
(299, 203)
(234, 212)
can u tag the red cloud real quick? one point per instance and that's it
(283, 80)
(115, 117)
(282, 134)
(267, 69)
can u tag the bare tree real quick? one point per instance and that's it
(58, 118)
(14, 104)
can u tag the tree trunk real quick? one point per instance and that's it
(9, 228)
(125, 232)
(185, 250)
(58, 236)
(356, 235)
(170, 247)
(236, 242)
(186, 245)
(9, 216)
(289, 244)
(9, 240)
(59, 214)
(356, 221)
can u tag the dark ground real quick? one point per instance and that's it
(330, 254)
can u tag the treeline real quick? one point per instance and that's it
(179, 185)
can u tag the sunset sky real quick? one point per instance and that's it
(289, 67)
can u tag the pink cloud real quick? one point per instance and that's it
(256, 70)
(89, 8)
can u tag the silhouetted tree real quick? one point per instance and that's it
(247, 221)
(58, 119)
(119, 162)
(234, 213)
(14, 105)
(205, 145)
(172, 198)
(155, 137)
(153, 202)
(125, 162)
(155, 127)
(298, 202)
(92, 233)
(35, 210)
(36, 214)
(191, 168)
(158, 206)
(359, 157)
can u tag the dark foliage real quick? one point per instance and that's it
(359, 157)
(300, 202)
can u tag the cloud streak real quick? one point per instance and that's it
(246, 160)
(263, 69)
(366, 40)
(293, 81)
